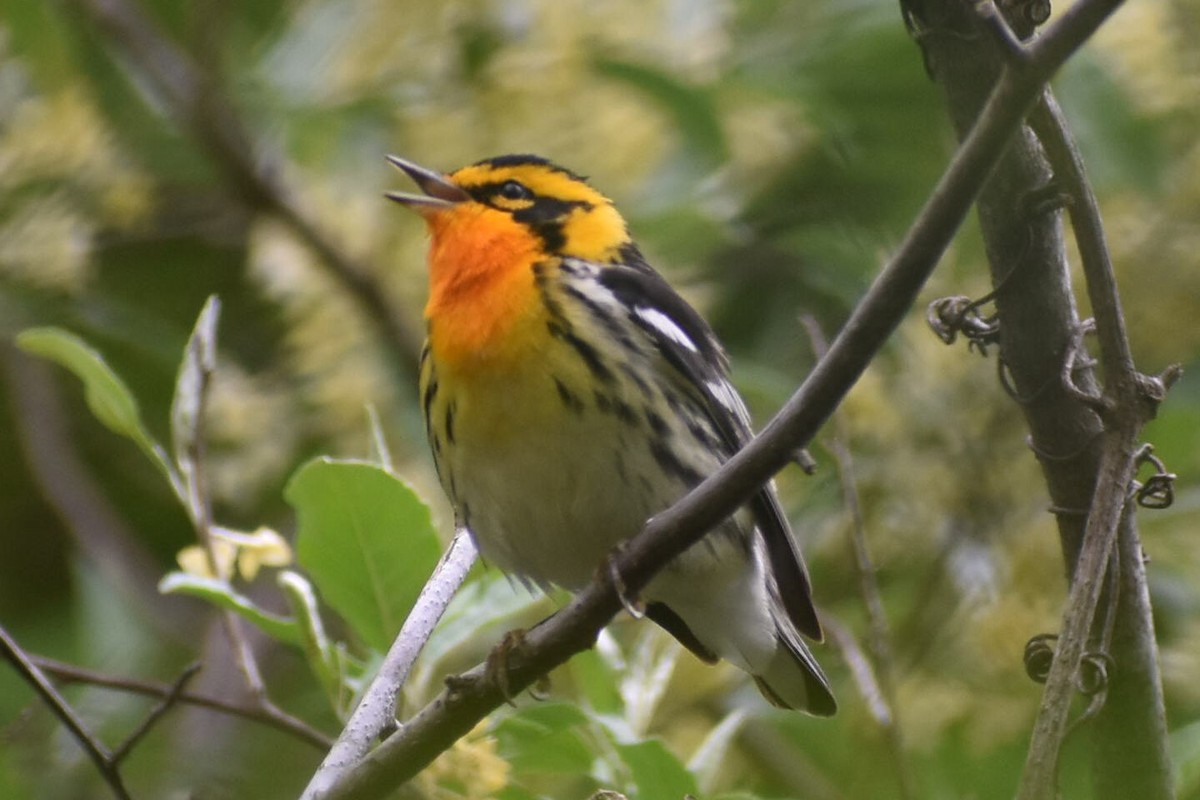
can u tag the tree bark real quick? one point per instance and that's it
(1021, 224)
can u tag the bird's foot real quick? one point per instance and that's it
(633, 604)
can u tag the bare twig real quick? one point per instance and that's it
(574, 628)
(376, 711)
(70, 673)
(866, 677)
(202, 112)
(188, 412)
(168, 700)
(97, 752)
(879, 640)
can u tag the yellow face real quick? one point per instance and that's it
(568, 216)
(490, 223)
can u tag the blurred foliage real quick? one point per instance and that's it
(768, 155)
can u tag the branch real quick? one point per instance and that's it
(376, 712)
(69, 673)
(473, 695)
(879, 637)
(188, 417)
(1040, 778)
(95, 749)
(1084, 440)
(203, 113)
(174, 692)
(1133, 399)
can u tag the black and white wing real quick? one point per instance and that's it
(688, 344)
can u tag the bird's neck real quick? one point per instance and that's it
(481, 286)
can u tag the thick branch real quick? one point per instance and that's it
(1086, 457)
(473, 695)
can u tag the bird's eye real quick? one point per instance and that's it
(511, 190)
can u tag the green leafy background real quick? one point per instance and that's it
(768, 156)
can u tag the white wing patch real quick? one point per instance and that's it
(665, 325)
(724, 393)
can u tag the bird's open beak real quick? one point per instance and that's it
(440, 194)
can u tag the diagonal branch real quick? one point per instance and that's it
(95, 749)
(573, 629)
(376, 712)
(173, 695)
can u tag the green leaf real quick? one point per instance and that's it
(221, 594)
(546, 739)
(366, 539)
(325, 658)
(1185, 755)
(597, 681)
(191, 388)
(107, 395)
(656, 772)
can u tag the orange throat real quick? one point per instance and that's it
(481, 285)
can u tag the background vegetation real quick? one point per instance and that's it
(768, 156)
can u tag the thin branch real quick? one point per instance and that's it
(70, 673)
(879, 639)
(207, 116)
(162, 707)
(1048, 122)
(94, 748)
(573, 629)
(376, 712)
(864, 673)
(1132, 399)
(188, 418)
(1039, 780)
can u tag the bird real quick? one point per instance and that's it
(570, 393)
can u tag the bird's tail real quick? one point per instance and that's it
(791, 677)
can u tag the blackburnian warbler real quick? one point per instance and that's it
(570, 394)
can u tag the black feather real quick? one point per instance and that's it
(636, 284)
